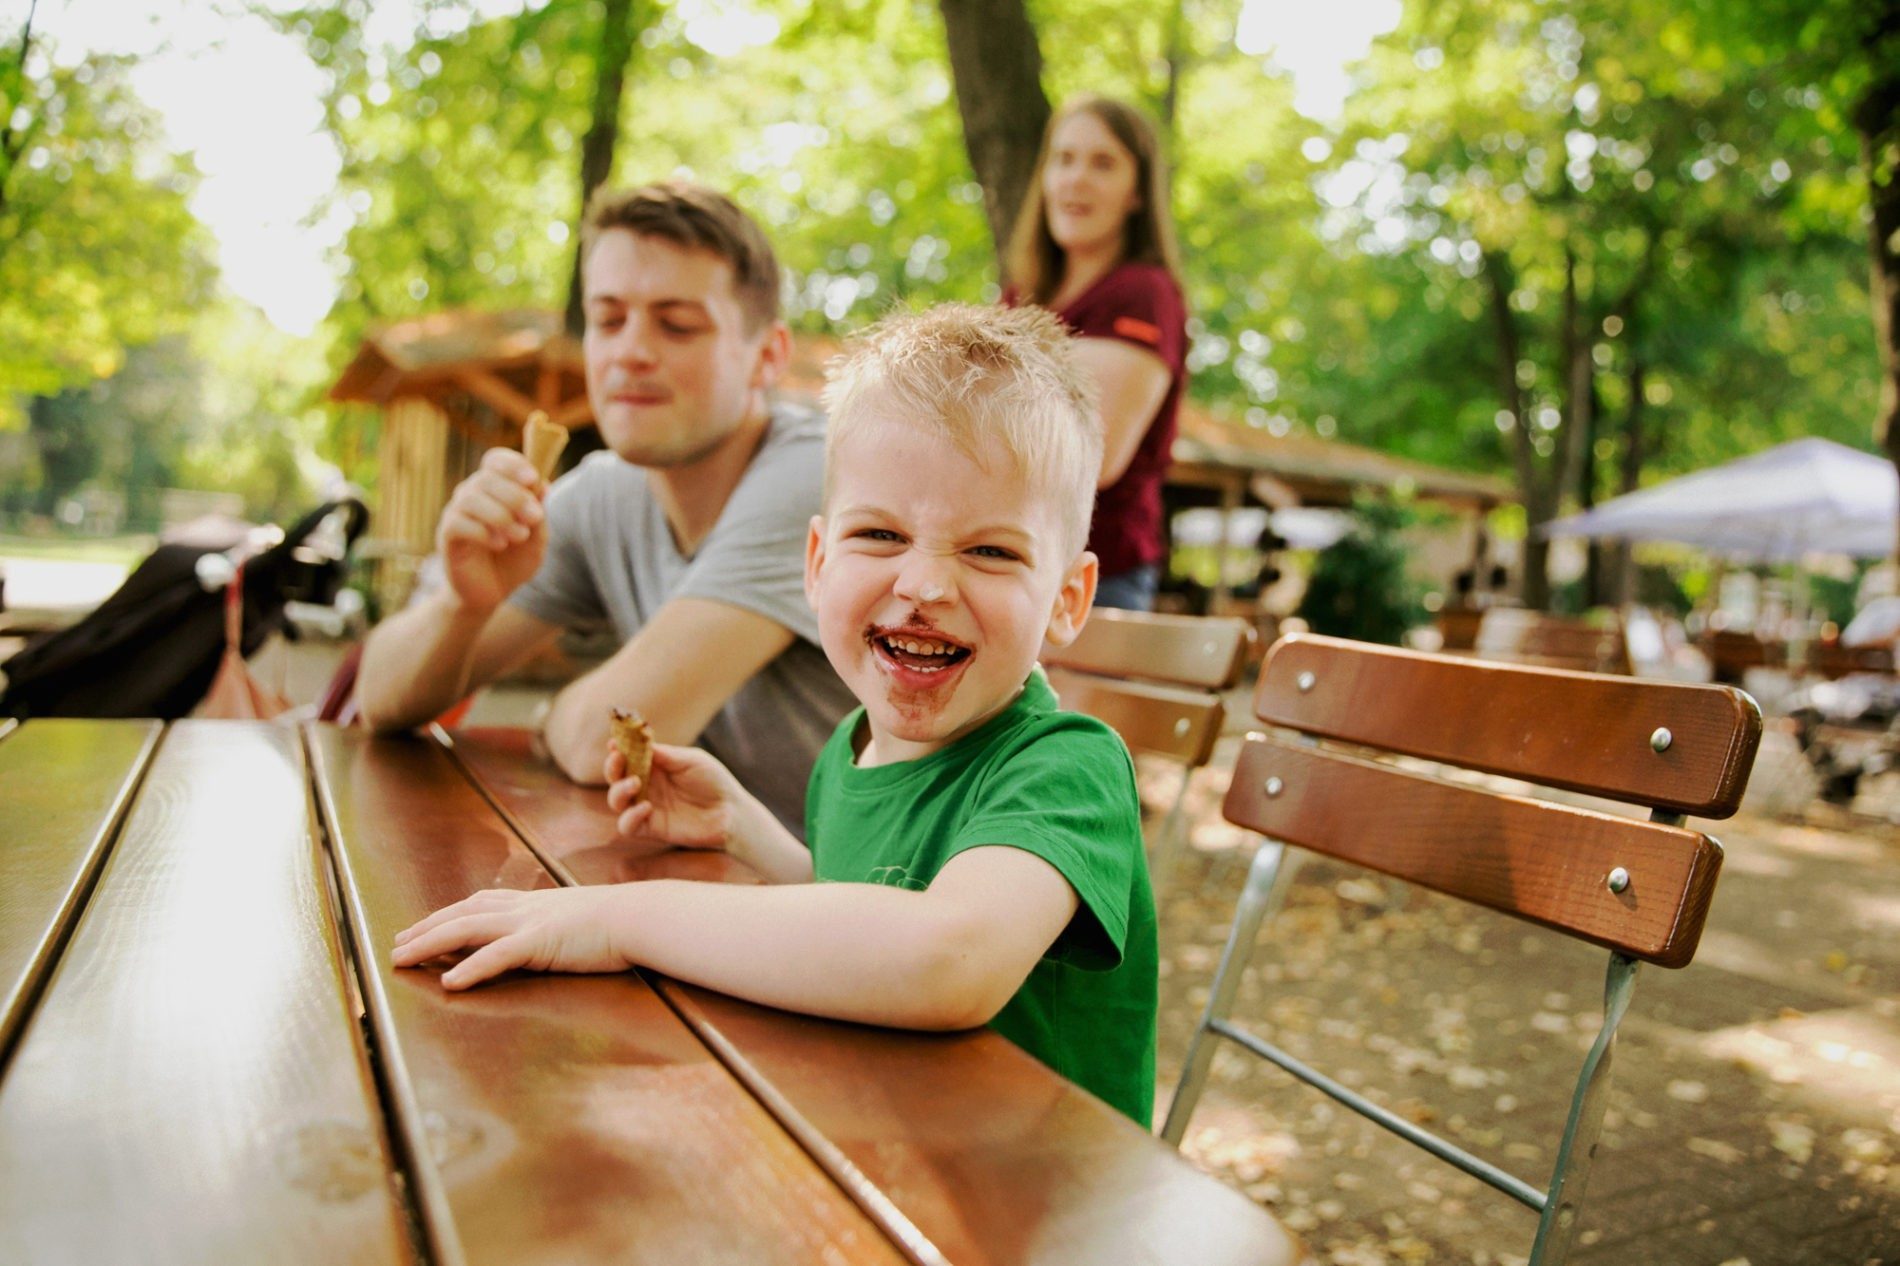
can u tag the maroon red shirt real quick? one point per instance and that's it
(1139, 304)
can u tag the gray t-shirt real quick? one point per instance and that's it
(611, 557)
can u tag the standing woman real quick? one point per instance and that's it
(1094, 244)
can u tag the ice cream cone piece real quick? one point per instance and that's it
(542, 442)
(633, 739)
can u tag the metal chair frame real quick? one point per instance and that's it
(1558, 1203)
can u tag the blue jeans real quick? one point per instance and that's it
(1131, 590)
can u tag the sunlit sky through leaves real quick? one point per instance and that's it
(244, 100)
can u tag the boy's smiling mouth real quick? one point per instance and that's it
(912, 649)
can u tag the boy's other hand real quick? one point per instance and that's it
(494, 529)
(688, 801)
(550, 929)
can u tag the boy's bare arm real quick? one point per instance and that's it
(949, 957)
(692, 656)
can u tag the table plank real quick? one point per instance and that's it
(191, 1087)
(557, 1118)
(574, 832)
(994, 1160)
(65, 785)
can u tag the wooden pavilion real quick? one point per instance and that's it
(455, 383)
(452, 385)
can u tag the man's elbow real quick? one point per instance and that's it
(378, 721)
(579, 750)
(381, 713)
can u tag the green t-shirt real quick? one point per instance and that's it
(1053, 783)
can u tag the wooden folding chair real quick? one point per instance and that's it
(1639, 889)
(1156, 680)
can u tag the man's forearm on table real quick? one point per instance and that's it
(416, 663)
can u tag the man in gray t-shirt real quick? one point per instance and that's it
(610, 556)
(689, 533)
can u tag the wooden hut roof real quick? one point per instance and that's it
(514, 361)
(1318, 471)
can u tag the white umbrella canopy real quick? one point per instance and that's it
(1809, 496)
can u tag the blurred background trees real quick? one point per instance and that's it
(1582, 243)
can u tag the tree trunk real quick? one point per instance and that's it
(617, 34)
(1571, 459)
(1629, 476)
(1877, 119)
(996, 66)
(1177, 67)
(13, 139)
(1534, 587)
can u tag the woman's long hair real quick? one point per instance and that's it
(1033, 263)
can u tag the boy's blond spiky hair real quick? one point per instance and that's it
(999, 383)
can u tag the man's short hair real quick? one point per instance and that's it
(992, 381)
(694, 217)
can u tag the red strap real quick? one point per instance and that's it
(234, 611)
(1139, 330)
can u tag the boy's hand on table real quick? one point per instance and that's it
(549, 929)
(688, 803)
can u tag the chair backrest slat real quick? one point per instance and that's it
(1578, 731)
(1198, 651)
(1546, 863)
(1183, 724)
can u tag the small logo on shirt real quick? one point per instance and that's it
(896, 877)
(1136, 328)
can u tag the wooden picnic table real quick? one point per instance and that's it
(206, 1057)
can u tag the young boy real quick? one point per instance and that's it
(977, 851)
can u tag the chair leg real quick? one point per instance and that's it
(1251, 909)
(1557, 1231)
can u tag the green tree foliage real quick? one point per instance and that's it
(1587, 188)
(1589, 242)
(1841, 58)
(99, 251)
(839, 134)
(230, 406)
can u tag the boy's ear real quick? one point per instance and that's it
(775, 353)
(1073, 600)
(814, 558)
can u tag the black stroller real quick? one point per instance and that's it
(152, 648)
